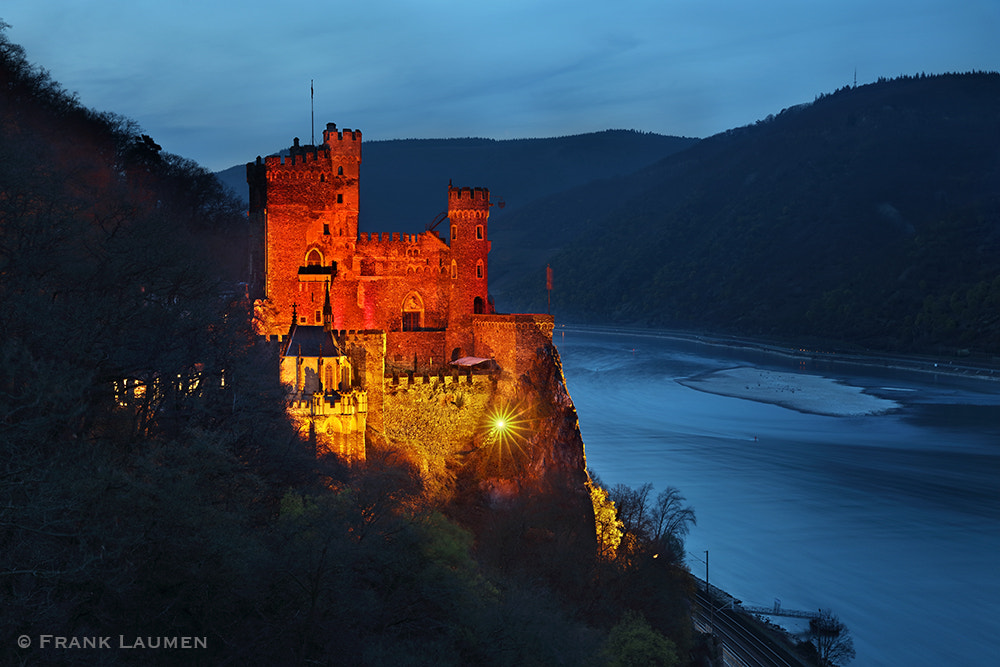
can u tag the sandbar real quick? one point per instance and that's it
(795, 391)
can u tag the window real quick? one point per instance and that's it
(411, 321)
(314, 258)
(340, 171)
(319, 317)
(479, 269)
(454, 232)
(413, 312)
(326, 228)
(454, 269)
(340, 199)
(478, 307)
(479, 232)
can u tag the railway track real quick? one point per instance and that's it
(742, 644)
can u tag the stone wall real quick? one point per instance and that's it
(435, 418)
(513, 340)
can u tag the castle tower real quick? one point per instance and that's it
(304, 218)
(469, 213)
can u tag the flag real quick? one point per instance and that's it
(548, 278)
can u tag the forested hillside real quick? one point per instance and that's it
(152, 488)
(869, 217)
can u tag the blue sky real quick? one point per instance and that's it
(221, 81)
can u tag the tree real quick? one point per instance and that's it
(671, 520)
(660, 526)
(609, 527)
(633, 643)
(832, 639)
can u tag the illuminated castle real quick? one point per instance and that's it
(371, 306)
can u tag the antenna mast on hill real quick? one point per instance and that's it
(312, 115)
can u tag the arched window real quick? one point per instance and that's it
(454, 232)
(480, 269)
(314, 258)
(454, 269)
(340, 171)
(413, 312)
(478, 307)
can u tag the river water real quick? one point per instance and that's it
(890, 521)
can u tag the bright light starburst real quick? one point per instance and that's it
(504, 441)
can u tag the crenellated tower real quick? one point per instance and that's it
(469, 213)
(304, 219)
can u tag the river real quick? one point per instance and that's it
(891, 520)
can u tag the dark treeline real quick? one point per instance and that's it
(151, 486)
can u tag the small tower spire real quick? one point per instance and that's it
(295, 321)
(327, 310)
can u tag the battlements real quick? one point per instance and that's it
(336, 143)
(355, 335)
(331, 130)
(539, 323)
(386, 239)
(306, 156)
(471, 195)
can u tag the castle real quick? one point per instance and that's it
(354, 312)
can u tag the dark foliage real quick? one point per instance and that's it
(150, 484)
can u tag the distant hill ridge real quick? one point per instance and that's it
(404, 182)
(870, 216)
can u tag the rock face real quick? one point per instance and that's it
(555, 439)
(512, 432)
(497, 443)
(529, 478)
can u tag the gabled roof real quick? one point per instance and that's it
(311, 341)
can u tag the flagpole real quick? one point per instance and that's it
(548, 286)
(312, 114)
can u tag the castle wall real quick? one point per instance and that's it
(366, 350)
(514, 341)
(335, 428)
(419, 351)
(434, 418)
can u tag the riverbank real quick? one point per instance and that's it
(986, 368)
